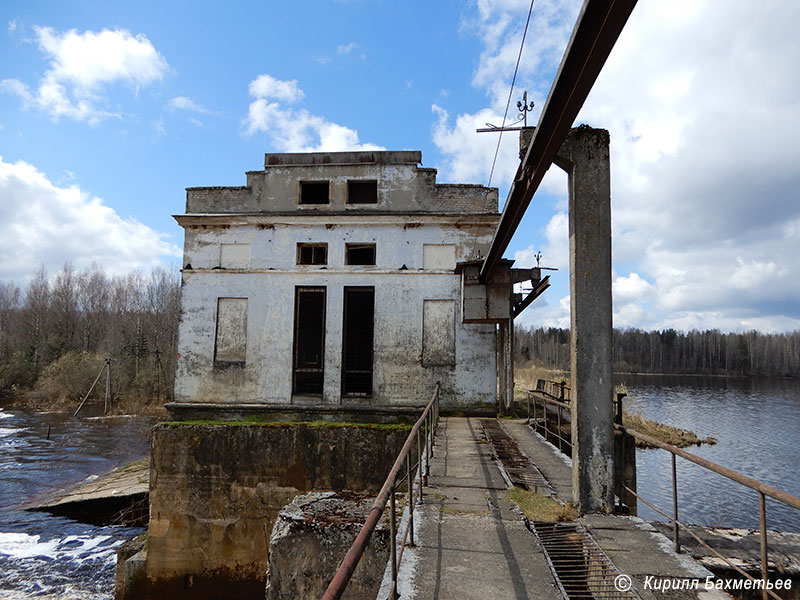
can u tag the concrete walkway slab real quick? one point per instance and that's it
(472, 544)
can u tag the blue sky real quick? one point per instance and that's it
(109, 110)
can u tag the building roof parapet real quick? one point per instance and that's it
(297, 159)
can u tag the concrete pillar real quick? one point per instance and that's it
(501, 369)
(505, 365)
(584, 156)
(508, 362)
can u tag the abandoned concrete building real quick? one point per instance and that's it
(339, 281)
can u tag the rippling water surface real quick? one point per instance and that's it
(757, 425)
(43, 556)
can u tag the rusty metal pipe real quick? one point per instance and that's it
(343, 574)
(762, 525)
(410, 498)
(676, 543)
(393, 535)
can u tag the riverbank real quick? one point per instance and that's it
(33, 401)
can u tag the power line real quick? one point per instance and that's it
(505, 116)
(510, 94)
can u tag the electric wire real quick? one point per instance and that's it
(505, 116)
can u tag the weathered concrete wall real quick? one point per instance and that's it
(402, 186)
(400, 377)
(216, 490)
(309, 539)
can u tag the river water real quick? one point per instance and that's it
(43, 556)
(757, 425)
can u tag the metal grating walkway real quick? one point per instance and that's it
(582, 570)
(520, 470)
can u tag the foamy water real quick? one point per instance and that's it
(43, 556)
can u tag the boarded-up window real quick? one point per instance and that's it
(438, 333)
(438, 256)
(234, 256)
(231, 343)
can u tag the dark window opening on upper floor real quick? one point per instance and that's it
(312, 254)
(314, 192)
(362, 192)
(359, 254)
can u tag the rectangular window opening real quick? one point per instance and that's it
(312, 254)
(314, 192)
(362, 192)
(309, 341)
(357, 341)
(359, 254)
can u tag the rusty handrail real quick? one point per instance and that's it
(763, 490)
(744, 480)
(429, 417)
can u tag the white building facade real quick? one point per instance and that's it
(329, 282)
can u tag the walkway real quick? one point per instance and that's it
(473, 543)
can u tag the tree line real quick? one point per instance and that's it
(57, 332)
(708, 352)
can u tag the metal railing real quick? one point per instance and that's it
(541, 402)
(762, 488)
(557, 396)
(423, 432)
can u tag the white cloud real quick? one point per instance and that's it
(469, 155)
(184, 103)
(82, 65)
(267, 87)
(295, 130)
(346, 48)
(12, 26)
(41, 222)
(499, 26)
(158, 128)
(631, 288)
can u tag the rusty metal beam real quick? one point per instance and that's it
(596, 31)
(528, 300)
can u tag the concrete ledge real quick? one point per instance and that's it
(219, 411)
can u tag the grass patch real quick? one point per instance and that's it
(668, 434)
(137, 465)
(541, 508)
(259, 422)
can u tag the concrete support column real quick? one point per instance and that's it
(508, 361)
(584, 156)
(505, 365)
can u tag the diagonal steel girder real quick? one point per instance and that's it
(599, 24)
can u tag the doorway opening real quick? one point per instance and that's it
(309, 341)
(357, 341)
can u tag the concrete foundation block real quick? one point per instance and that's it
(311, 536)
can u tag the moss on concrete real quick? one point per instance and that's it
(541, 508)
(668, 434)
(257, 421)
